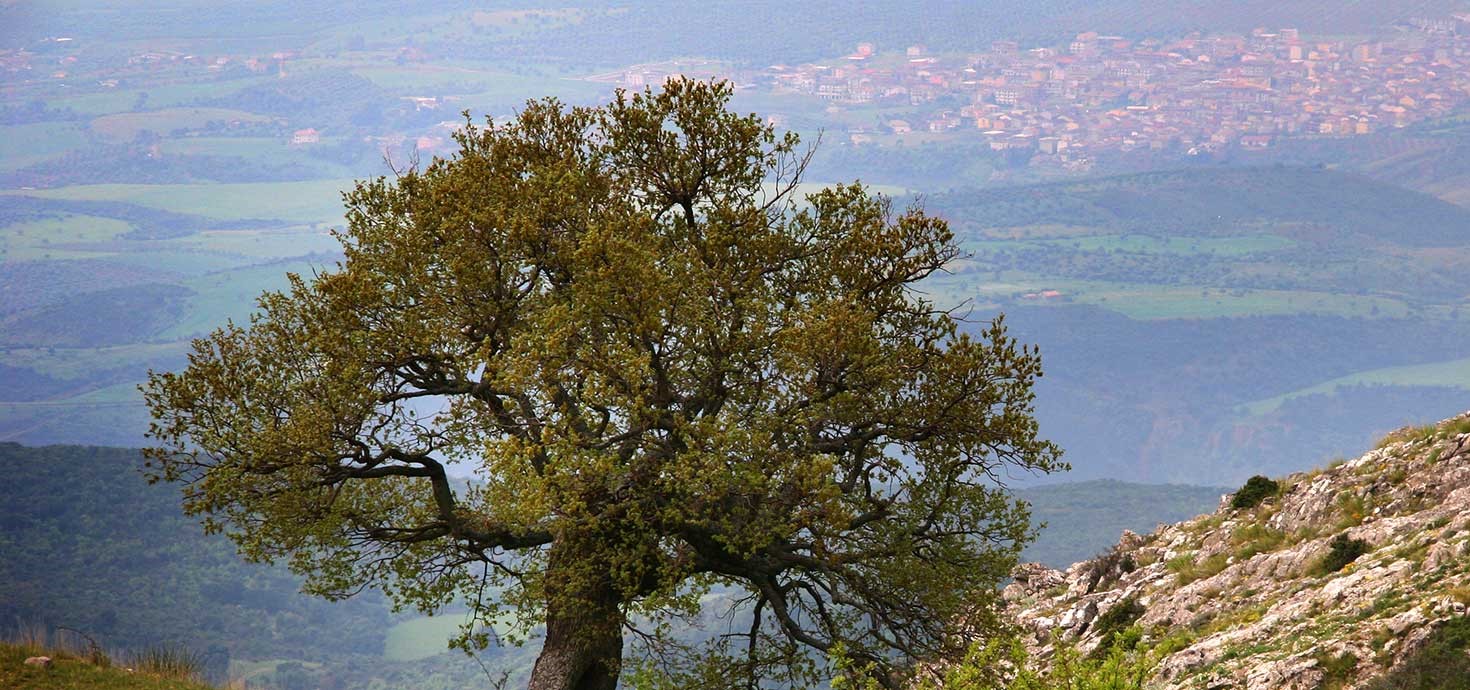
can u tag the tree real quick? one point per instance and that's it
(664, 375)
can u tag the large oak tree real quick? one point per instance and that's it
(604, 362)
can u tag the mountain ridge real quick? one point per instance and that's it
(1340, 578)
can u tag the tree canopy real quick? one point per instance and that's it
(604, 362)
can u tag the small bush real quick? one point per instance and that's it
(1111, 624)
(1188, 570)
(1256, 490)
(1108, 567)
(1337, 671)
(1441, 664)
(1461, 594)
(1342, 551)
(1353, 509)
(1002, 664)
(1252, 539)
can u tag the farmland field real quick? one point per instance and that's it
(315, 201)
(1454, 373)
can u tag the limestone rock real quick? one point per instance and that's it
(1249, 589)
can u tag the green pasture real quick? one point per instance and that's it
(125, 126)
(1242, 245)
(1148, 302)
(231, 295)
(311, 201)
(272, 151)
(117, 423)
(1454, 373)
(513, 90)
(122, 100)
(79, 363)
(185, 263)
(1032, 233)
(426, 636)
(420, 638)
(116, 393)
(23, 145)
(248, 672)
(1169, 302)
(52, 238)
(262, 244)
(76, 236)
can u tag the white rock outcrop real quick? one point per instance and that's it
(1251, 591)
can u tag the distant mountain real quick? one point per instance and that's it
(1354, 576)
(1080, 517)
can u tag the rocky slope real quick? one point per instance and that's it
(1337, 578)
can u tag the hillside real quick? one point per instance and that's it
(88, 544)
(1204, 324)
(1355, 576)
(69, 673)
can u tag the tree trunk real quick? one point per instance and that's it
(583, 649)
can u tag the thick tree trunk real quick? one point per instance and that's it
(583, 649)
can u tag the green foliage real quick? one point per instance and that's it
(1342, 550)
(1441, 663)
(1002, 664)
(1337, 671)
(1111, 625)
(1256, 490)
(663, 377)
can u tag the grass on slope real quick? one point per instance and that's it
(69, 673)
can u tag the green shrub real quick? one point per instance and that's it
(1352, 508)
(1108, 566)
(1256, 490)
(1441, 664)
(1111, 624)
(1003, 665)
(1189, 571)
(1342, 551)
(1337, 671)
(1251, 539)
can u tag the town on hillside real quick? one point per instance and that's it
(1196, 94)
(1059, 105)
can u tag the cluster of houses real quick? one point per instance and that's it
(1195, 94)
